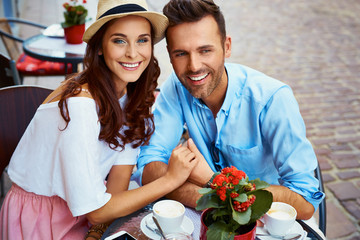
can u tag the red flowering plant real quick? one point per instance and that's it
(236, 203)
(74, 14)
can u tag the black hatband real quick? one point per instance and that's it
(126, 8)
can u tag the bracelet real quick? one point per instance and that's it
(98, 229)
(208, 184)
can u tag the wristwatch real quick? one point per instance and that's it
(208, 184)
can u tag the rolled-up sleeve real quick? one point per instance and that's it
(283, 127)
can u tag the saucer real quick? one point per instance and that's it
(187, 226)
(296, 229)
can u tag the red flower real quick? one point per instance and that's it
(236, 206)
(249, 187)
(234, 195)
(221, 192)
(84, 1)
(228, 170)
(239, 174)
(251, 199)
(242, 207)
(223, 197)
(231, 178)
(220, 179)
(235, 181)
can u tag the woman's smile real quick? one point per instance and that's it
(130, 66)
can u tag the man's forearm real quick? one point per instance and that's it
(187, 194)
(304, 209)
(153, 171)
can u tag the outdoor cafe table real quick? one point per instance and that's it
(55, 49)
(131, 224)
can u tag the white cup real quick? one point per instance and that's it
(280, 219)
(170, 215)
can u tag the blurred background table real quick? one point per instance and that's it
(55, 49)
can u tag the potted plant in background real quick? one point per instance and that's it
(74, 24)
(232, 205)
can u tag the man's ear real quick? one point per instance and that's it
(227, 47)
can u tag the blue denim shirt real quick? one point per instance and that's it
(258, 129)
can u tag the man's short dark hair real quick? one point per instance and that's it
(185, 11)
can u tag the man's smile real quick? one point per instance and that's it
(199, 78)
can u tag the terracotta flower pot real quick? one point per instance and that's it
(74, 34)
(250, 235)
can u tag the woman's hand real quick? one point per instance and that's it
(181, 163)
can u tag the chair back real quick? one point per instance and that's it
(322, 206)
(9, 75)
(322, 211)
(12, 46)
(18, 105)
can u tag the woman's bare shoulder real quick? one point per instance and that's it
(56, 94)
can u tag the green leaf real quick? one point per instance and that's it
(72, 18)
(242, 217)
(203, 191)
(259, 184)
(220, 212)
(261, 205)
(243, 182)
(210, 200)
(65, 25)
(241, 198)
(219, 231)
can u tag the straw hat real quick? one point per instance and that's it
(111, 9)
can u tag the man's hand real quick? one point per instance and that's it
(202, 172)
(304, 209)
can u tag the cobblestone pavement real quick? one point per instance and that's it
(314, 46)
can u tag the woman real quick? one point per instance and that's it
(90, 128)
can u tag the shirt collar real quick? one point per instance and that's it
(234, 87)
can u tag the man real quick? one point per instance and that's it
(234, 115)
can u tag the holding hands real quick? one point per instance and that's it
(181, 163)
(187, 163)
(202, 172)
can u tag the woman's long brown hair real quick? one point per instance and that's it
(136, 115)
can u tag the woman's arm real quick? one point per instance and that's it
(124, 202)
